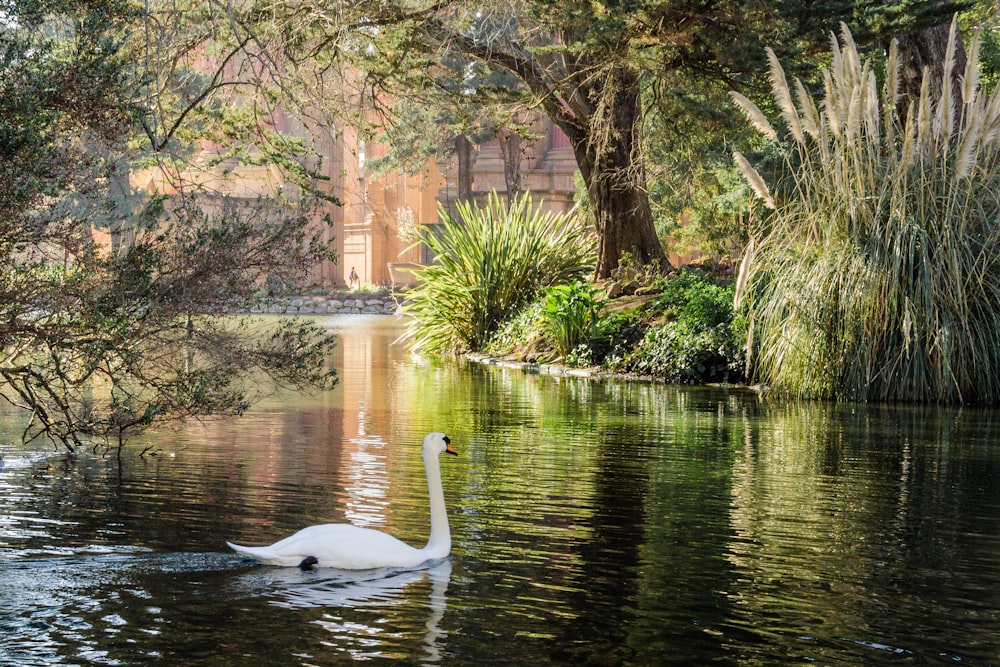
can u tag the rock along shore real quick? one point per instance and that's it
(337, 304)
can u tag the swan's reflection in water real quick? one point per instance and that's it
(342, 593)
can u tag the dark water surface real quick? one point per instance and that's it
(596, 523)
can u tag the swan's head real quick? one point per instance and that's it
(438, 443)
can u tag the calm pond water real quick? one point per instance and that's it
(597, 523)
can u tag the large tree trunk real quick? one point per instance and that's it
(925, 49)
(610, 158)
(621, 211)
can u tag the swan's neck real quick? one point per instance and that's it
(439, 544)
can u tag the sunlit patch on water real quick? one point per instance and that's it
(367, 482)
(76, 605)
(592, 523)
(54, 608)
(16, 461)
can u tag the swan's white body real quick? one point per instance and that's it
(349, 547)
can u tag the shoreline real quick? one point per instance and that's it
(590, 372)
(334, 303)
(345, 303)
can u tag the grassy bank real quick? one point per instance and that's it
(677, 328)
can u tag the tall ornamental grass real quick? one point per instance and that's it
(488, 264)
(877, 276)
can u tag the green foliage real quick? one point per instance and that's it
(101, 341)
(570, 314)
(489, 264)
(370, 289)
(984, 16)
(523, 330)
(688, 333)
(696, 301)
(903, 16)
(56, 81)
(711, 218)
(616, 336)
(674, 354)
(876, 278)
(698, 339)
(691, 129)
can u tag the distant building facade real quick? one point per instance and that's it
(372, 229)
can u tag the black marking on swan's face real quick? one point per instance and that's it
(308, 563)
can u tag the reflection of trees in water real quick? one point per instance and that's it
(694, 519)
(830, 501)
(611, 447)
(746, 518)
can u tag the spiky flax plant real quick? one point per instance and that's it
(490, 262)
(877, 276)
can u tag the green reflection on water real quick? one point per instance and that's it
(594, 522)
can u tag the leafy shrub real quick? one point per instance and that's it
(699, 339)
(616, 336)
(696, 300)
(488, 265)
(675, 353)
(570, 315)
(520, 331)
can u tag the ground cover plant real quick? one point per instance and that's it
(682, 329)
(692, 335)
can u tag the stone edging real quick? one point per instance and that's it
(327, 305)
(528, 367)
(592, 372)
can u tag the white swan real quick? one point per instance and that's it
(349, 547)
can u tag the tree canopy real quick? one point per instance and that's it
(623, 81)
(99, 341)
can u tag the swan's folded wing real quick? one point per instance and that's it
(337, 545)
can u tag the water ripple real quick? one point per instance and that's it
(592, 523)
